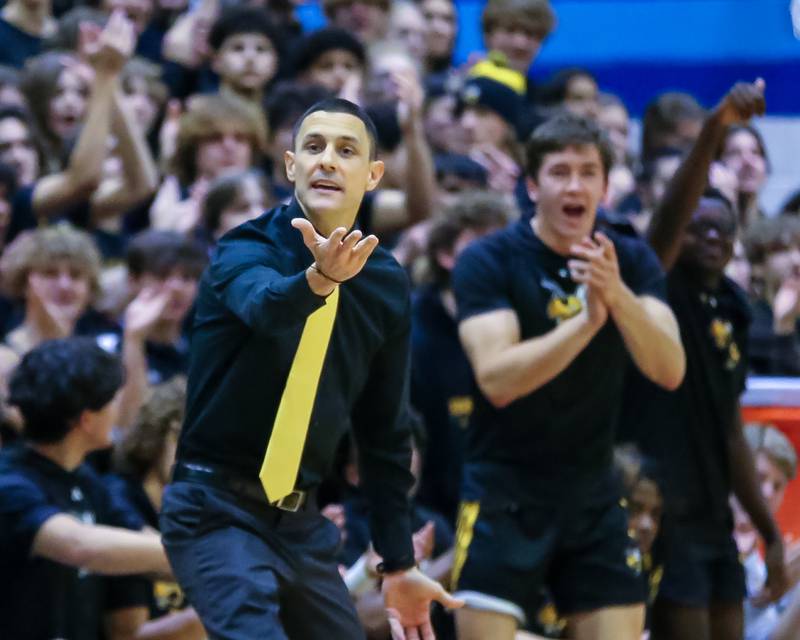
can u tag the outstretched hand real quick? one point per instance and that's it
(742, 102)
(408, 596)
(340, 256)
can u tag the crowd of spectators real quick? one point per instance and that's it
(135, 133)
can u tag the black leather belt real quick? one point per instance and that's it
(221, 479)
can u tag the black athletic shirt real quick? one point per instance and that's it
(564, 430)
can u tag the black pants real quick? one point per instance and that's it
(252, 571)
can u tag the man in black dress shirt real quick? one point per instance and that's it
(254, 567)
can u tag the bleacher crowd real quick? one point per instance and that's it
(136, 133)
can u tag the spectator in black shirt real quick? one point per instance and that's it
(61, 534)
(23, 26)
(254, 307)
(164, 268)
(441, 378)
(696, 434)
(550, 313)
(143, 459)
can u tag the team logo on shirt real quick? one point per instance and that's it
(562, 305)
(168, 595)
(722, 334)
(460, 409)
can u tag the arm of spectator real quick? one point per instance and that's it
(507, 368)
(139, 176)
(793, 562)
(441, 568)
(168, 134)
(683, 194)
(393, 209)
(789, 622)
(140, 317)
(110, 51)
(186, 42)
(372, 614)
(647, 325)
(98, 548)
(171, 213)
(132, 623)
(746, 489)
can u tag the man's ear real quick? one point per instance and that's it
(288, 161)
(533, 188)
(82, 421)
(376, 169)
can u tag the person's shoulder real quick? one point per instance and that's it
(493, 247)
(738, 298)
(633, 249)
(383, 264)
(17, 478)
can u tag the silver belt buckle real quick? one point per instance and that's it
(291, 502)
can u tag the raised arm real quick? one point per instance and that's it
(108, 54)
(394, 209)
(683, 194)
(139, 177)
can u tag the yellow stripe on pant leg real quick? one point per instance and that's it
(467, 515)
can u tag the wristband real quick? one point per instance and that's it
(393, 567)
(324, 275)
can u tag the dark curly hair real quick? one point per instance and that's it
(59, 380)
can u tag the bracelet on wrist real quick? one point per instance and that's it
(325, 275)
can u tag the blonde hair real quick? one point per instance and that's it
(773, 442)
(37, 250)
(536, 15)
(209, 115)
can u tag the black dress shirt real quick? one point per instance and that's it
(251, 309)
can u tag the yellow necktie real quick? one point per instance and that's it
(282, 460)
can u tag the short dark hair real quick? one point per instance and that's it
(554, 92)
(159, 252)
(664, 114)
(237, 20)
(339, 105)
(446, 164)
(309, 49)
(562, 131)
(222, 192)
(59, 380)
(287, 101)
